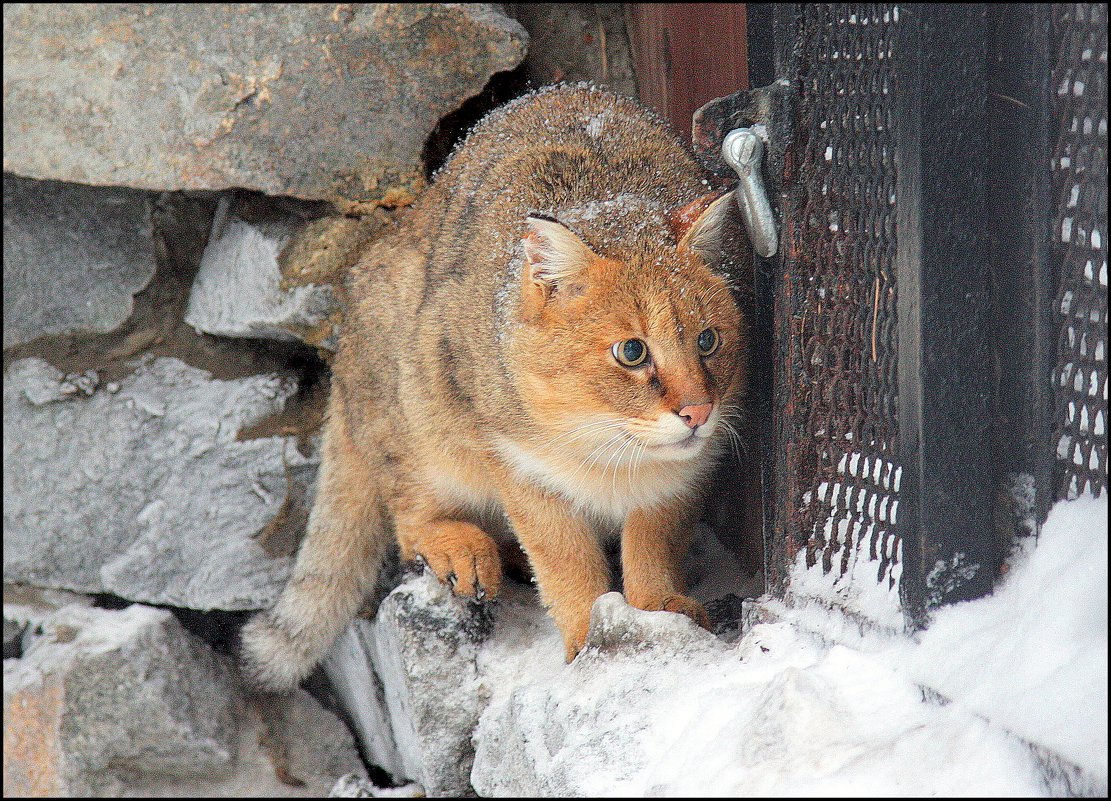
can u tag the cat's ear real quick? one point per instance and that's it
(700, 225)
(554, 254)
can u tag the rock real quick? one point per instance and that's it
(315, 749)
(328, 102)
(616, 627)
(25, 609)
(29, 605)
(142, 489)
(349, 666)
(13, 638)
(74, 257)
(543, 730)
(422, 647)
(418, 680)
(354, 787)
(238, 290)
(129, 703)
(576, 42)
(102, 692)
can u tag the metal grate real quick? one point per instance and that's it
(837, 309)
(915, 314)
(1080, 169)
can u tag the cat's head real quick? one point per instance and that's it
(635, 355)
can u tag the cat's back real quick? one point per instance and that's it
(552, 149)
(556, 148)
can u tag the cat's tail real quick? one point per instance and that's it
(336, 568)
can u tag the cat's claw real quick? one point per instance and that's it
(472, 569)
(687, 606)
(674, 602)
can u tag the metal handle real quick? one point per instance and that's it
(743, 150)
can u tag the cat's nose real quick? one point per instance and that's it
(694, 416)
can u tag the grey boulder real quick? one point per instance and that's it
(431, 677)
(141, 487)
(548, 732)
(316, 101)
(129, 703)
(410, 683)
(238, 290)
(74, 257)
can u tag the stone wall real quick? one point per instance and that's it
(184, 190)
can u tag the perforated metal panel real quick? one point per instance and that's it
(837, 308)
(916, 301)
(1080, 169)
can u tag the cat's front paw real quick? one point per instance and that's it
(675, 602)
(464, 557)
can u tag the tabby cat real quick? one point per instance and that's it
(545, 348)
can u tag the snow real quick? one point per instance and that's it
(1033, 656)
(354, 786)
(856, 589)
(811, 704)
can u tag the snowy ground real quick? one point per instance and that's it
(809, 706)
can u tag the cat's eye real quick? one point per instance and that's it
(630, 352)
(708, 342)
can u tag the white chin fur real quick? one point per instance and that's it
(687, 449)
(675, 442)
(606, 493)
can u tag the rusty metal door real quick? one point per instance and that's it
(939, 177)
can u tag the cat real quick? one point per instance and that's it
(546, 347)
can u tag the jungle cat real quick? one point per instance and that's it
(547, 347)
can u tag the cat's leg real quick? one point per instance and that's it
(652, 548)
(336, 567)
(567, 561)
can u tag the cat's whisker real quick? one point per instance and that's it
(733, 412)
(594, 432)
(727, 429)
(716, 292)
(736, 441)
(623, 460)
(601, 450)
(630, 473)
(577, 434)
(610, 444)
(732, 444)
(642, 449)
(586, 463)
(595, 427)
(617, 466)
(735, 416)
(614, 455)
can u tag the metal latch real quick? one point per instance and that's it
(743, 150)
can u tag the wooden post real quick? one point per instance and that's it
(687, 54)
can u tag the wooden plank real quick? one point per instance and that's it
(687, 54)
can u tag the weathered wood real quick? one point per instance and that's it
(687, 54)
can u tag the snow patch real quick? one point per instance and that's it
(1033, 656)
(786, 712)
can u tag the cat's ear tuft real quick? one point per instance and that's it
(553, 252)
(700, 225)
